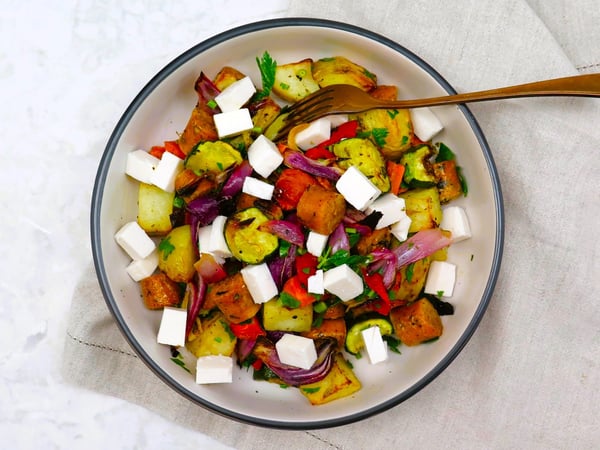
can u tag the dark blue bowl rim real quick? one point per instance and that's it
(96, 206)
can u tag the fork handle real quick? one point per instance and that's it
(578, 85)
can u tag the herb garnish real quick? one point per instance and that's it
(267, 67)
(165, 247)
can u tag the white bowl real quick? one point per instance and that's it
(161, 110)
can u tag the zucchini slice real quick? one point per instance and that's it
(354, 340)
(245, 241)
(419, 170)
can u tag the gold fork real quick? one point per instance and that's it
(344, 98)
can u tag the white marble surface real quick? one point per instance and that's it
(67, 71)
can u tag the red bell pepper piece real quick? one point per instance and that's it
(375, 282)
(319, 153)
(344, 131)
(306, 266)
(298, 290)
(173, 147)
(157, 151)
(248, 329)
(257, 364)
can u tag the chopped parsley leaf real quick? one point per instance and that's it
(311, 390)
(267, 67)
(410, 271)
(289, 301)
(379, 135)
(165, 247)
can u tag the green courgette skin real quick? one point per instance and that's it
(246, 242)
(354, 341)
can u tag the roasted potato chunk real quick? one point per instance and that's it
(417, 322)
(340, 382)
(226, 76)
(154, 209)
(321, 209)
(265, 113)
(409, 282)
(214, 337)
(177, 254)
(232, 297)
(158, 291)
(340, 70)
(294, 81)
(423, 207)
(277, 316)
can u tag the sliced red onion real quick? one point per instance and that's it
(384, 260)
(202, 211)
(294, 376)
(338, 240)
(282, 267)
(421, 244)
(234, 183)
(244, 348)
(197, 292)
(205, 88)
(296, 160)
(286, 230)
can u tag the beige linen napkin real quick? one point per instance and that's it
(529, 377)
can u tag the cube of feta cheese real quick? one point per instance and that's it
(141, 165)
(260, 282)
(139, 269)
(393, 209)
(441, 279)
(455, 220)
(374, 345)
(316, 132)
(297, 351)
(343, 282)
(166, 171)
(425, 123)
(134, 240)
(400, 228)
(217, 245)
(258, 188)
(233, 122)
(235, 95)
(335, 120)
(263, 156)
(172, 326)
(315, 283)
(214, 369)
(315, 243)
(356, 188)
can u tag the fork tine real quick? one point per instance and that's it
(306, 110)
(315, 99)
